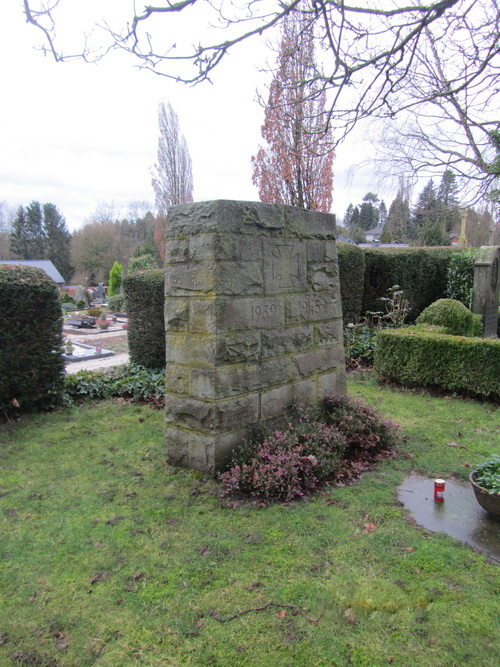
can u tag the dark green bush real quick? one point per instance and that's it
(144, 292)
(116, 303)
(417, 357)
(460, 276)
(31, 364)
(453, 316)
(421, 273)
(351, 273)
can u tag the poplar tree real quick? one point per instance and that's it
(173, 173)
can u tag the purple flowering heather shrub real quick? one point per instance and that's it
(307, 449)
(288, 463)
(363, 427)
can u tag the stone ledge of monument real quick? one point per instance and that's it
(258, 218)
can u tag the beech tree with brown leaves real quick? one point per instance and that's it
(296, 166)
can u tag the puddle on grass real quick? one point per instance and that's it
(460, 516)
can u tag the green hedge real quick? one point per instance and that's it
(351, 272)
(417, 357)
(144, 292)
(31, 363)
(420, 272)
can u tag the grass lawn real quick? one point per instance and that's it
(109, 558)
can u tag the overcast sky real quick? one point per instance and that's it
(77, 134)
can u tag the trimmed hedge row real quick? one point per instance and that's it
(417, 357)
(144, 292)
(351, 275)
(420, 272)
(31, 362)
(365, 275)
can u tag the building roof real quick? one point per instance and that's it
(44, 264)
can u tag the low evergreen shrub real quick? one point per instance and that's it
(131, 381)
(456, 318)
(116, 303)
(31, 363)
(428, 358)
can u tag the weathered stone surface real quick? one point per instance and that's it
(328, 333)
(279, 342)
(318, 360)
(323, 276)
(204, 452)
(176, 314)
(190, 349)
(239, 278)
(202, 248)
(243, 217)
(211, 416)
(202, 315)
(285, 266)
(176, 250)
(486, 288)
(177, 379)
(193, 278)
(332, 383)
(250, 313)
(216, 383)
(275, 401)
(238, 348)
(312, 308)
(253, 322)
(316, 251)
(331, 252)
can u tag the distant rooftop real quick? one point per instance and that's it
(44, 264)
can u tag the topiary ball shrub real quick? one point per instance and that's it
(456, 318)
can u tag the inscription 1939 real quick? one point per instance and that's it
(263, 312)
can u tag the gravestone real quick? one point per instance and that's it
(253, 322)
(99, 293)
(486, 288)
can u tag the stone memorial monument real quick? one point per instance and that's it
(486, 288)
(253, 322)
